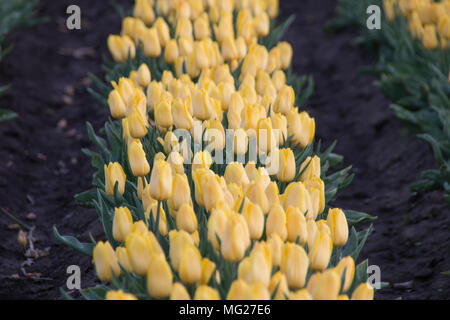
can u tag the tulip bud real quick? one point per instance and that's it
(316, 189)
(204, 292)
(212, 192)
(279, 80)
(235, 173)
(122, 257)
(320, 251)
(294, 264)
(286, 53)
(184, 28)
(181, 116)
(296, 226)
(285, 100)
(119, 295)
(144, 76)
(121, 223)
(236, 238)
(279, 281)
(181, 193)
(137, 159)
(208, 268)
(161, 181)
(143, 10)
(105, 261)
(179, 292)
(202, 159)
(201, 28)
(238, 290)
(114, 173)
(254, 269)
(121, 48)
(177, 240)
(255, 220)
(171, 51)
(152, 45)
(175, 159)
(327, 287)
(301, 294)
(272, 193)
(216, 226)
(139, 252)
(287, 170)
(116, 105)
(163, 31)
(186, 218)
(363, 292)
(276, 222)
(190, 269)
(297, 196)
(346, 268)
(137, 124)
(256, 194)
(338, 226)
(159, 277)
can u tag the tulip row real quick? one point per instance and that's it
(412, 53)
(208, 184)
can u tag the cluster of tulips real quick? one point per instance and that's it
(244, 217)
(428, 21)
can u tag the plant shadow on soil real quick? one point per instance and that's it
(43, 167)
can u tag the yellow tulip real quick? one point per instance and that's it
(363, 292)
(116, 105)
(204, 292)
(302, 127)
(201, 27)
(429, 38)
(154, 91)
(143, 75)
(190, 269)
(177, 240)
(208, 268)
(285, 100)
(279, 80)
(256, 194)
(346, 267)
(179, 292)
(114, 174)
(161, 181)
(139, 252)
(186, 218)
(186, 46)
(152, 45)
(287, 165)
(276, 222)
(310, 168)
(171, 51)
(184, 28)
(137, 124)
(137, 159)
(162, 225)
(301, 294)
(255, 220)
(238, 290)
(261, 24)
(216, 227)
(286, 53)
(159, 277)
(320, 251)
(316, 189)
(181, 192)
(105, 261)
(272, 193)
(297, 196)
(121, 223)
(338, 226)
(235, 173)
(181, 116)
(389, 10)
(279, 281)
(294, 264)
(163, 31)
(143, 10)
(327, 287)
(322, 226)
(254, 269)
(202, 159)
(119, 295)
(235, 239)
(121, 48)
(296, 225)
(122, 258)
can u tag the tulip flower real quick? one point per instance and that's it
(177, 240)
(294, 264)
(139, 252)
(201, 27)
(285, 100)
(363, 292)
(276, 248)
(286, 170)
(254, 269)
(256, 194)
(162, 223)
(238, 290)
(310, 168)
(316, 189)
(217, 223)
(235, 239)
(144, 75)
(279, 281)
(161, 181)
(137, 124)
(121, 223)
(186, 218)
(159, 277)
(346, 268)
(171, 51)
(204, 292)
(119, 295)
(272, 193)
(327, 287)
(208, 268)
(261, 24)
(286, 53)
(105, 261)
(143, 10)
(296, 225)
(338, 226)
(302, 294)
(114, 174)
(297, 196)
(181, 192)
(235, 173)
(151, 42)
(255, 220)
(190, 269)
(276, 222)
(179, 292)
(320, 251)
(429, 38)
(137, 159)
(116, 105)
(122, 257)
(121, 48)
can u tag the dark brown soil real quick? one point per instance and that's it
(42, 167)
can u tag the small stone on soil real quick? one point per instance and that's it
(31, 216)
